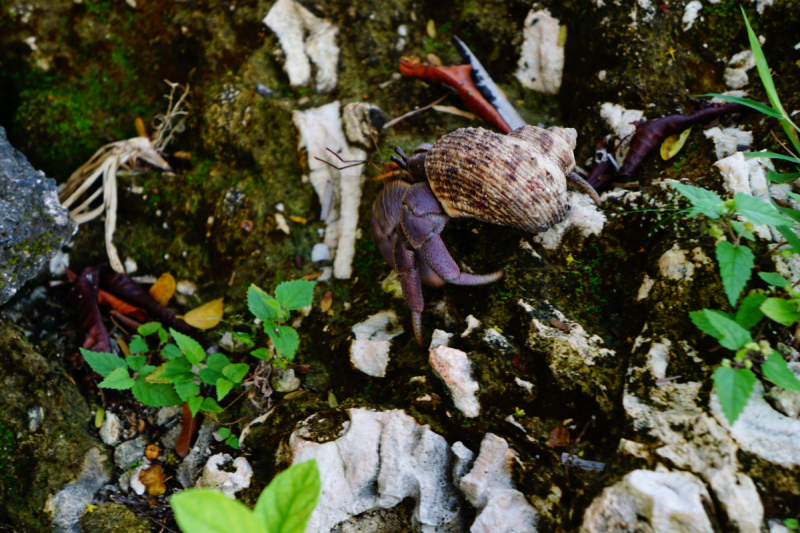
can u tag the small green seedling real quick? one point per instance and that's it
(274, 311)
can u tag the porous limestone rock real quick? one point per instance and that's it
(736, 71)
(304, 36)
(191, 463)
(369, 352)
(380, 459)
(583, 215)
(489, 488)
(111, 429)
(749, 176)
(339, 191)
(728, 140)
(70, 503)
(229, 483)
(129, 452)
(674, 265)
(33, 226)
(454, 369)
(439, 338)
(690, 13)
(541, 62)
(657, 502)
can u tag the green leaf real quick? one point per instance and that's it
(233, 442)
(771, 155)
(703, 201)
(103, 362)
(209, 376)
(149, 328)
(735, 266)
(729, 334)
(138, 345)
(285, 338)
(749, 313)
(244, 338)
(211, 405)
(791, 213)
(790, 237)
(179, 369)
(767, 110)
(781, 311)
(288, 501)
(774, 279)
(145, 371)
(135, 362)
(157, 375)
(217, 361)
(209, 511)
(224, 432)
(170, 351)
(776, 370)
(223, 388)
(791, 523)
(758, 211)
(733, 390)
(118, 379)
(195, 404)
(761, 65)
(190, 347)
(741, 229)
(776, 177)
(295, 294)
(264, 306)
(260, 353)
(187, 390)
(156, 394)
(163, 336)
(236, 373)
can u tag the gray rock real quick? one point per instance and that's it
(193, 462)
(33, 227)
(69, 505)
(129, 452)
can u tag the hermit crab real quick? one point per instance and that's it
(518, 180)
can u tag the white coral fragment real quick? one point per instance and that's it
(304, 36)
(369, 352)
(690, 13)
(736, 71)
(541, 62)
(454, 368)
(229, 483)
(583, 215)
(728, 140)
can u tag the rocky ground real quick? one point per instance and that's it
(564, 360)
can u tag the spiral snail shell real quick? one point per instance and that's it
(518, 180)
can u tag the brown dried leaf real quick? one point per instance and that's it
(309, 277)
(163, 289)
(326, 302)
(299, 220)
(206, 316)
(152, 451)
(153, 480)
(187, 432)
(559, 436)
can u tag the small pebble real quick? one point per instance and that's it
(263, 90)
(320, 252)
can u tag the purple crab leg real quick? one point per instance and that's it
(406, 265)
(435, 254)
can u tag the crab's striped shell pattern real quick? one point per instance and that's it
(515, 180)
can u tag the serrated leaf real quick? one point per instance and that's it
(295, 294)
(741, 229)
(673, 144)
(208, 511)
(758, 211)
(776, 177)
(262, 305)
(206, 316)
(236, 372)
(776, 370)
(195, 404)
(774, 279)
(260, 353)
(735, 267)
(733, 390)
(285, 338)
(149, 328)
(781, 311)
(157, 375)
(190, 347)
(223, 388)
(749, 312)
(729, 334)
(170, 351)
(156, 394)
(178, 371)
(135, 362)
(118, 379)
(209, 376)
(210, 405)
(187, 390)
(138, 345)
(145, 371)
(752, 104)
(217, 361)
(288, 501)
(103, 362)
(703, 201)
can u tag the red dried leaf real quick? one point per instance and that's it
(559, 436)
(458, 77)
(105, 298)
(187, 432)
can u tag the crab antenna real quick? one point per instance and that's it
(402, 163)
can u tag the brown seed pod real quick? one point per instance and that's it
(515, 180)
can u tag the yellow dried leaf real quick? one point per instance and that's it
(206, 316)
(326, 302)
(163, 289)
(299, 220)
(673, 144)
(141, 131)
(123, 345)
(430, 28)
(153, 480)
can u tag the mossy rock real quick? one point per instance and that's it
(114, 517)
